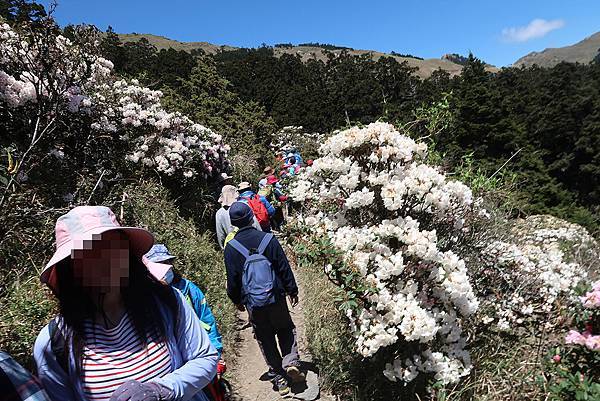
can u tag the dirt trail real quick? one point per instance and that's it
(250, 365)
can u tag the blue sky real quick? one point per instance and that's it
(498, 32)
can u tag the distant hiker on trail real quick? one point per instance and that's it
(297, 156)
(225, 230)
(268, 171)
(258, 279)
(262, 209)
(273, 192)
(159, 262)
(113, 313)
(17, 384)
(225, 179)
(292, 165)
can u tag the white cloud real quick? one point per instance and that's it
(537, 28)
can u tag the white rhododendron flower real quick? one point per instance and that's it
(422, 291)
(534, 263)
(79, 82)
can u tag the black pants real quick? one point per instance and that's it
(273, 326)
(277, 219)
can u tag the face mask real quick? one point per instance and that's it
(169, 276)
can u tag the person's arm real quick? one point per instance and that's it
(221, 232)
(282, 268)
(234, 278)
(197, 352)
(268, 206)
(54, 379)
(206, 317)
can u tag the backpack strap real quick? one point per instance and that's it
(57, 344)
(264, 243)
(237, 245)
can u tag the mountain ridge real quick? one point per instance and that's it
(425, 66)
(583, 52)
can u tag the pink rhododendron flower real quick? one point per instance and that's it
(593, 343)
(591, 300)
(575, 337)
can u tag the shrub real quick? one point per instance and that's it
(329, 340)
(402, 227)
(26, 308)
(70, 117)
(420, 267)
(574, 372)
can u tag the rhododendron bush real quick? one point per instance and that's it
(54, 90)
(400, 225)
(537, 266)
(574, 367)
(425, 266)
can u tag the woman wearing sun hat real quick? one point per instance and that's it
(120, 334)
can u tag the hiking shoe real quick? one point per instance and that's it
(282, 386)
(295, 375)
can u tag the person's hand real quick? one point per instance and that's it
(240, 307)
(294, 300)
(135, 391)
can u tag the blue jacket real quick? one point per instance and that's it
(249, 194)
(192, 355)
(196, 298)
(234, 263)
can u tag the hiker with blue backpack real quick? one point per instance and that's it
(259, 277)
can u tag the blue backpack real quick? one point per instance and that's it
(259, 282)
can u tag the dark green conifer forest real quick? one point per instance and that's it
(550, 116)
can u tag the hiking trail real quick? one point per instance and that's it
(249, 365)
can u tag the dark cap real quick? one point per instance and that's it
(240, 214)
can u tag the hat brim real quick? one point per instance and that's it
(158, 270)
(140, 242)
(164, 258)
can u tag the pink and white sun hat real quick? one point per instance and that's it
(82, 224)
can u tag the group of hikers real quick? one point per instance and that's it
(267, 204)
(131, 328)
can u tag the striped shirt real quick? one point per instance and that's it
(114, 356)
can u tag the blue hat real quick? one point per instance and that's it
(240, 214)
(159, 253)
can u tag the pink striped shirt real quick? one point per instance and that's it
(114, 356)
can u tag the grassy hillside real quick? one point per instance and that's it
(426, 67)
(581, 52)
(160, 42)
